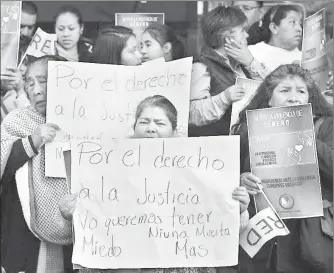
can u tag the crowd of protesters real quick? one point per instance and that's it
(243, 40)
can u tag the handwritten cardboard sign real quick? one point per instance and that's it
(89, 101)
(42, 44)
(10, 33)
(250, 87)
(283, 154)
(138, 22)
(148, 203)
(314, 51)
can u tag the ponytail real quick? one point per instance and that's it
(274, 15)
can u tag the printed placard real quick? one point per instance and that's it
(283, 154)
(314, 51)
(138, 22)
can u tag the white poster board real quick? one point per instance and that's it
(89, 101)
(156, 203)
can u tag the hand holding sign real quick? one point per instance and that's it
(44, 133)
(240, 194)
(12, 79)
(68, 205)
(264, 226)
(250, 182)
(234, 93)
(148, 192)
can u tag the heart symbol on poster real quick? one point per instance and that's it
(5, 19)
(299, 147)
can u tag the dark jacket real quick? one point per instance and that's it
(85, 50)
(19, 247)
(222, 77)
(254, 33)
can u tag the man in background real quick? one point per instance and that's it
(28, 19)
(12, 93)
(254, 12)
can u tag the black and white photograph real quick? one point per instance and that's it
(167, 136)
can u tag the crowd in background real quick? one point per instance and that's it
(242, 40)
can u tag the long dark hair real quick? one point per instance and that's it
(110, 44)
(320, 107)
(274, 15)
(164, 34)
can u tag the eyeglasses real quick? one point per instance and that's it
(246, 8)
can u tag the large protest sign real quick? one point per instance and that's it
(314, 51)
(42, 44)
(10, 33)
(250, 88)
(151, 203)
(264, 226)
(283, 155)
(138, 21)
(89, 101)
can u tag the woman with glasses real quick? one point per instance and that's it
(254, 12)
